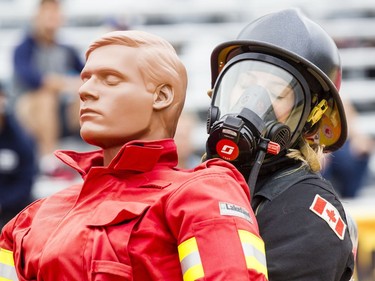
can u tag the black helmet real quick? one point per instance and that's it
(291, 37)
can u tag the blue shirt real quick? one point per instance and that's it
(18, 166)
(32, 61)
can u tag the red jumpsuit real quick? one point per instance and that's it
(138, 219)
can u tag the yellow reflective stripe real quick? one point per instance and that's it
(254, 250)
(6, 257)
(250, 238)
(253, 263)
(187, 247)
(6, 279)
(193, 273)
(7, 269)
(190, 260)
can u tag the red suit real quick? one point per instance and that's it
(138, 219)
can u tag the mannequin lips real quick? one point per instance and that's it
(86, 112)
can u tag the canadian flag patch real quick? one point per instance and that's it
(329, 213)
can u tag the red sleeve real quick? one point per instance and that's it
(216, 230)
(21, 223)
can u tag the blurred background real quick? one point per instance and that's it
(195, 27)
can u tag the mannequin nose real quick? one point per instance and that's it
(87, 91)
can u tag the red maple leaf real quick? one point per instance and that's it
(331, 215)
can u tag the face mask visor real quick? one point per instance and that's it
(268, 90)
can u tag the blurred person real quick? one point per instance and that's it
(348, 167)
(17, 163)
(184, 139)
(46, 80)
(275, 110)
(136, 216)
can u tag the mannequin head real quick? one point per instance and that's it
(134, 88)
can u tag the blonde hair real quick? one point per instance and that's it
(311, 157)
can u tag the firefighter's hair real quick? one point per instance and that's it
(310, 156)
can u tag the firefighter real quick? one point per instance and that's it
(136, 216)
(275, 110)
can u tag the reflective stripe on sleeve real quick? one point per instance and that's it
(7, 269)
(190, 260)
(253, 248)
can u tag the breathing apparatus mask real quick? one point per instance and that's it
(273, 86)
(258, 110)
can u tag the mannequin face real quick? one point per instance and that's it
(115, 104)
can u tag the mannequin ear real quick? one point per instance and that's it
(163, 96)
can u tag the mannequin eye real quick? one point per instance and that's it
(112, 80)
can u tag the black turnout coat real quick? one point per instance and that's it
(304, 226)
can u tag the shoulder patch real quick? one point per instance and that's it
(325, 210)
(229, 209)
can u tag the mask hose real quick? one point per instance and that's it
(265, 146)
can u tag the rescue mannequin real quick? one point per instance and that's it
(275, 131)
(136, 216)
